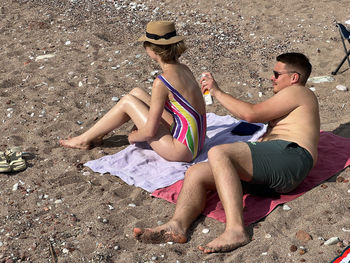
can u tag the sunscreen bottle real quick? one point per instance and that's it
(207, 97)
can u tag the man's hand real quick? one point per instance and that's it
(208, 83)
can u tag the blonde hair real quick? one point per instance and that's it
(168, 53)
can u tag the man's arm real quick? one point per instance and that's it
(273, 108)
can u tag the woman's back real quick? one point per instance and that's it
(182, 79)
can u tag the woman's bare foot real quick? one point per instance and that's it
(227, 241)
(169, 232)
(78, 143)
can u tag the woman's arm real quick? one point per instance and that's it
(158, 98)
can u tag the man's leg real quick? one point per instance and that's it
(230, 163)
(190, 203)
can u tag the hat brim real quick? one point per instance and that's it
(162, 41)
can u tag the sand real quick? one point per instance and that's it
(61, 211)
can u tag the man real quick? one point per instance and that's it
(278, 162)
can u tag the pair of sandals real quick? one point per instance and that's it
(11, 160)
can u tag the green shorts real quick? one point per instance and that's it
(278, 166)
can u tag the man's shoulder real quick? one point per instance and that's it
(297, 89)
(296, 95)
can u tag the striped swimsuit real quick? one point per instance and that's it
(189, 126)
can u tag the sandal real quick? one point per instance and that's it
(15, 160)
(4, 165)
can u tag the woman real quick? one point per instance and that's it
(172, 120)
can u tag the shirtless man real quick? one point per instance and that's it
(278, 162)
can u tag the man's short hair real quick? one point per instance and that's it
(297, 62)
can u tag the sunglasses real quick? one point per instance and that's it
(276, 74)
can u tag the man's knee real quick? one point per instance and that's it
(233, 151)
(217, 152)
(237, 154)
(191, 172)
(213, 151)
(197, 172)
(199, 175)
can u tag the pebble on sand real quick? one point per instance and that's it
(312, 89)
(293, 248)
(332, 241)
(15, 187)
(205, 231)
(46, 56)
(321, 79)
(303, 236)
(341, 88)
(286, 207)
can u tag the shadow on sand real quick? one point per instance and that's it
(343, 130)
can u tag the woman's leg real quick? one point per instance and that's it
(164, 143)
(129, 107)
(142, 95)
(133, 106)
(146, 98)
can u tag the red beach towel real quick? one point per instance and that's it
(333, 156)
(344, 257)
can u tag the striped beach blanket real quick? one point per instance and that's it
(139, 165)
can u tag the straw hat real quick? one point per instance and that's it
(161, 33)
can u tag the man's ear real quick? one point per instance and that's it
(295, 78)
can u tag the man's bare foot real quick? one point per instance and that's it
(227, 241)
(169, 232)
(77, 143)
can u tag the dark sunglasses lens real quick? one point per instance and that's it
(276, 74)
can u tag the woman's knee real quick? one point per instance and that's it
(137, 92)
(127, 100)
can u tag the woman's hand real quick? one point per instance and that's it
(131, 137)
(138, 136)
(208, 83)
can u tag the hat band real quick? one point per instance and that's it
(157, 37)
